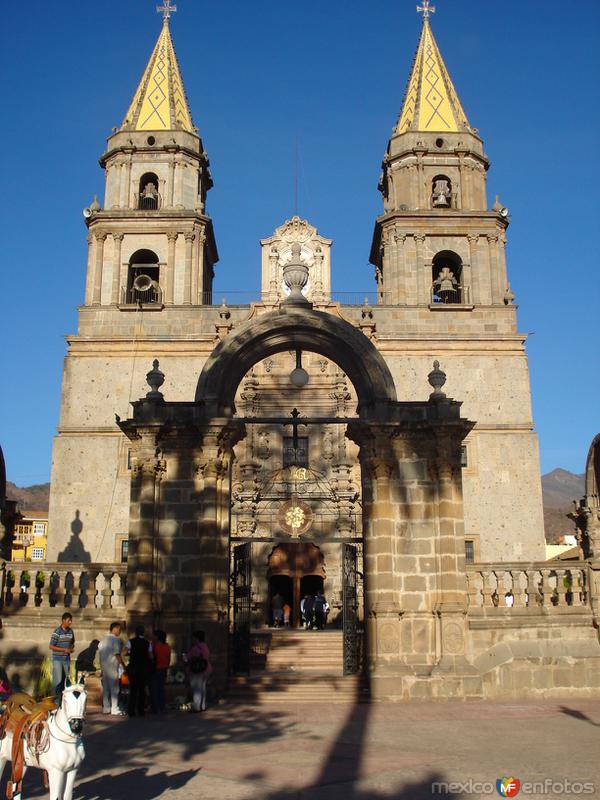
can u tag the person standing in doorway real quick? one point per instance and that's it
(138, 669)
(199, 670)
(277, 606)
(62, 644)
(111, 664)
(309, 604)
(162, 660)
(287, 611)
(320, 611)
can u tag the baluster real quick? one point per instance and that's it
(577, 587)
(547, 588)
(107, 590)
(533, 591)
(121, 589)
(92, 592)
(517, 589)
(487, 589)
(562, 587)
(83, 585)
(59, 587)
(69, 584)
(43, 590)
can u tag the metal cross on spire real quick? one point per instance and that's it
(426, 9)
(166, 9)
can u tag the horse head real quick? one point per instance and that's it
(74, 698)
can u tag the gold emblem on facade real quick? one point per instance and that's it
(300, 473)
(295, 517)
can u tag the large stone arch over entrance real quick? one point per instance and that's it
(409, 454)
(303, 329)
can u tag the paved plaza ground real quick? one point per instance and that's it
(338, 752)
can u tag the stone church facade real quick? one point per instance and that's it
(297, 443)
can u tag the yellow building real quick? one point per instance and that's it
(31, 536)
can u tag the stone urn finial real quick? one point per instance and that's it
(155, 379)
(437, 378)
(295, 275)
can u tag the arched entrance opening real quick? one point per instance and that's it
(295, 569)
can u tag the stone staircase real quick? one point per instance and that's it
(296, 666)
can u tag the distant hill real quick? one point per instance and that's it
(559, 489)
(29, 498)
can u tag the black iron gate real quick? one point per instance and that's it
(350, 610)
(242, 585)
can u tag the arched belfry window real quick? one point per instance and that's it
(446, 278)
(441, 192)
(143, 276)
(148, 196)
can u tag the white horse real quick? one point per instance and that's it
(61, 750)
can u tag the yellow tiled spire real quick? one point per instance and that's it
(159, 103)
(430, 103)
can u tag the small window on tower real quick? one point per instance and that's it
(149, 198)
(446, 289)
(124, 550)
(441, 192)
(469, 551)
(295, 456)
(464, 456)
(143, 279)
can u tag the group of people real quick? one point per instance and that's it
(314, 610)
(141, 664)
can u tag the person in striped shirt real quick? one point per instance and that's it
(62, 644)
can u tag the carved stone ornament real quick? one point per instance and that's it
(155, 379)
(296, 230)
(437, 378)
(453, 638)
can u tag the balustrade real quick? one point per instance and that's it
(69, 586)
(545, 585)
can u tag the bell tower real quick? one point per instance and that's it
(443, 293)
(437, 243)
(152, 243)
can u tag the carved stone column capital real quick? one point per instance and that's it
(419, 238)
(189, 237)
(100, 237)
(172, 236)
(473, 238)
(492, 238)
(118, 237)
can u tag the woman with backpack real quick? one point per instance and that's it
(199, 669)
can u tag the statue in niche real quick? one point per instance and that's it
(264, 446)
(442, 193)
(446, 285)
(327, 446)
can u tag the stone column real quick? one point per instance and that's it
(89, 278)
(122, 200)
(187, 278)
(116, 275)
(379, 531)
(420, 179)
(147, 470)
(422, 285)
(98, 266)
(171, 183)
(495, 277)
(170, 282)
(178, 185)
(474, 271)
(128, 199)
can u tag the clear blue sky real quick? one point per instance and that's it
(332, 74)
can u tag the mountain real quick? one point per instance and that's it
(29, 498)
(559, 488)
